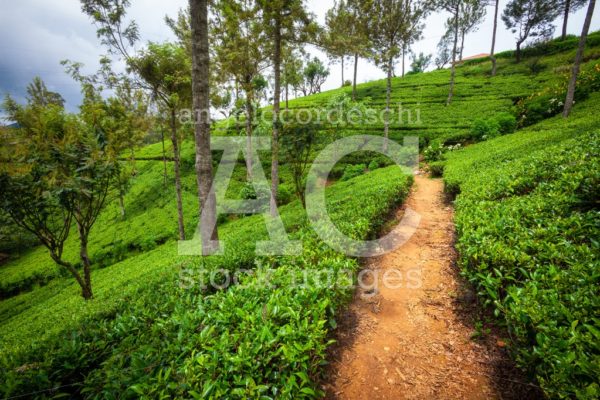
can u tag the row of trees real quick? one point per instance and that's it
(64, 166)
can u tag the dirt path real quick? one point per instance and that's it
(412, 342)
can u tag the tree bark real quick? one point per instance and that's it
(343, 71)
(493, 54)
(462, 45)
(355, 73)
(122, 204)
(275, 136)
(200, 94)
(519, 51)
(287, 98)
(248, 137)
(403, 56)
(86, 290)
(576, 66)
(453, 69)
(176, 168)
(164, 156)
(566, 19)
(388, 93)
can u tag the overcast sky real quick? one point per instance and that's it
(35, 35)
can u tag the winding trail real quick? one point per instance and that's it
(414, 342)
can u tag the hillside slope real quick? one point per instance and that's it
(144, 335)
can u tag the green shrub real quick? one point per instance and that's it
(526, 224)
(483, 129)
(507, 123)
(352, 171)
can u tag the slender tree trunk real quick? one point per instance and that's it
(275, 138)
(249, 112)
(86, 290)
(164, 156)
(453, 69)
(462, 44)
(355, 74)
(200, 93)
(388, 94)
(122, 204)
(519, 51)
(287, 98)
(176, 168)
(566, 19)
(403, 60)
(576, 66)
(493, 54)
(343, 71)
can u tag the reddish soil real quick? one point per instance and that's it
(416, 341)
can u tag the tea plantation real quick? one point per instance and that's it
(527, 220)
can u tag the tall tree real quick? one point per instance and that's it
(568, 7)
(338, 34)
(161, 69)
(443, 56)
(392, 24)
(292, 69)
(496, 4)
(166, 69)
(201, 101)
(454, 7)
(578, 58)
(315, 73)
(530, 18)
(472, 15)
(285, 21)
(360, 39)
(239, 53)
(60, 174)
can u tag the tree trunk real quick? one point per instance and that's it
(343, 71)
(453, 69)
(122, 204)
(164, 156)
(200, 93)
(493, 54)
(176, 168)
(248, 137)
(355, 73)
(576, 66)
(287, 98)
(403, 56)
(566, 19)
(387, 106)
(275, 138)
(462, 45)
(86, 289)
(85, 292)
(519, 51)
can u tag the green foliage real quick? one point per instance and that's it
(219, 342)
(550, 100)
(352, 171)
(527, 219)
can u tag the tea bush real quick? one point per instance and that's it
(527, 218)
(249, 340)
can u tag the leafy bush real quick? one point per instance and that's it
(352, 171)
(483, 129)
(250, 340)
(507, 123)
(550, 100)
(526, 224)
